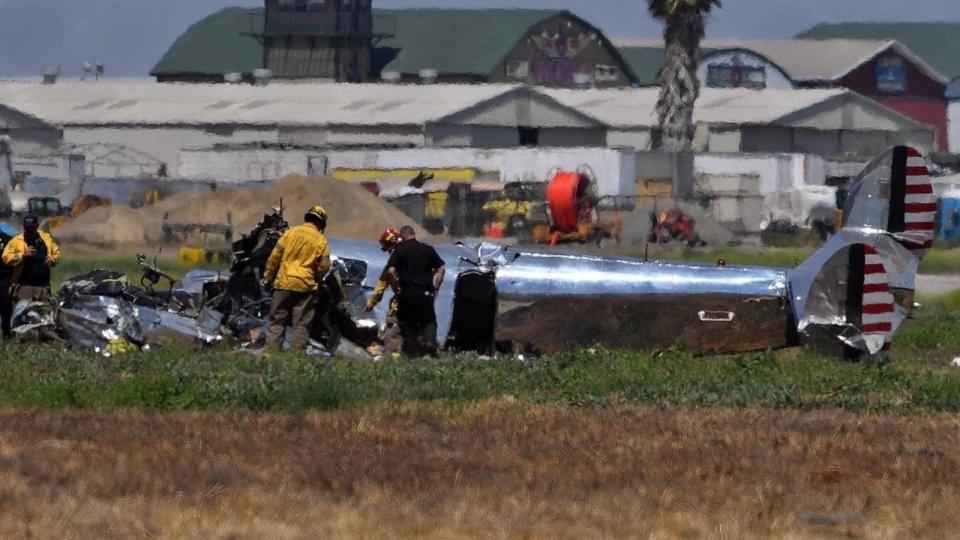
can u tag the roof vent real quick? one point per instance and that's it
(50, 74)
(93, 70)
(261, 77)
(232, 77)
(392, 77)
(428, 76)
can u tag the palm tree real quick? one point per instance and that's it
(679, 87)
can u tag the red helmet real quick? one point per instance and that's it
(390, 239)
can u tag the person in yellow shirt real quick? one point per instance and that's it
(32, 254)
(295, 269)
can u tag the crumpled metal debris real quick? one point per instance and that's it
(106, 313)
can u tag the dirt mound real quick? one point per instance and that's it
(110, 226)
(353, 211)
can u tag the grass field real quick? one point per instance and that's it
(594, 443)
(794, 379)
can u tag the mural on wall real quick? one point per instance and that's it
(561, 67)
(561, 48)
(736, 74)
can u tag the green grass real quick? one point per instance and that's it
(177, 380)
(918, 378)
(76, 264)
(940, 261)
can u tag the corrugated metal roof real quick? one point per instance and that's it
(323, 104)
(454, 41)
(937, 43)
(636, 108)
(804, 59)
(308, 104)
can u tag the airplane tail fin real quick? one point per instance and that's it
(858, 288)
(894, 194)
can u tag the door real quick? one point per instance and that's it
(316, 165)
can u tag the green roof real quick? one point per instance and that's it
(938, 44)
(216, 45)
(647, 61)
(454, 41)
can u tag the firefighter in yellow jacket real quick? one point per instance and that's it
(295, 269)
(392, 342)
(32, 254)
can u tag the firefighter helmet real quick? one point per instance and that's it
(318, 215)
(390, 239)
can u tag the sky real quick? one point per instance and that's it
(130, 36)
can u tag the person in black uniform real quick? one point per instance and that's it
(418, 271)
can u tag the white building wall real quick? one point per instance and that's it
(638, 139)
(243, 165)
(724, 140)
(765, 186)
(28, 136)
(165, 143)
(395, 135)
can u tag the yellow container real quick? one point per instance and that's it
(192, 256)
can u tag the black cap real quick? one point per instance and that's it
(30, 220)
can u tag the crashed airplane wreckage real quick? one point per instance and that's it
(849, 297)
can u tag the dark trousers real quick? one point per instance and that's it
(418, 323)
(290, 308)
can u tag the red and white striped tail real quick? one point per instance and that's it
(878, 303)
(920, 206)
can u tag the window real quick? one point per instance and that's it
(736, 75)
(316, 5)
(604, 72)
(299, 5)
(285, 5)
(518, 69)
(529, 136)
(891, 74)
(346, 5)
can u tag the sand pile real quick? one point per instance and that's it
(109, 226)
(353, 211)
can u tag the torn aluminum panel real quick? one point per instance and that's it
(33, 321)
(194, 282)
(167, 328)
(95, 322)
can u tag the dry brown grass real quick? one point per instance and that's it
(491, 471)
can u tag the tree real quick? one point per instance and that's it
(679, 87)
